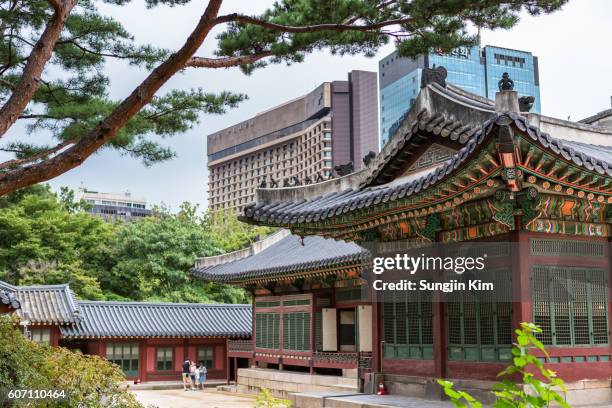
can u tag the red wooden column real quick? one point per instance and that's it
(377, 357)
(313, 300)
(227, 362)
(236, 370)
(142, 365)
(440, 335)
(521, 278)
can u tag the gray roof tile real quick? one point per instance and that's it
(143, 319)
(287, 256)
(46, 304)
(9, 299)
(594, 158)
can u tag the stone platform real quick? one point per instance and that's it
(282, 383)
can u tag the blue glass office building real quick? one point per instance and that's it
(474, 69)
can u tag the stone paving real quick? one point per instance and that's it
(189, 399)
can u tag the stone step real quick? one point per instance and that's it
(227, 388)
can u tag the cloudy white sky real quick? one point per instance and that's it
(573, 47)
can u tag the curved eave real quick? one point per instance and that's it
(86, 336)
(306, 214)
(283, 273)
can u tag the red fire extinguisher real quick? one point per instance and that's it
(382, 389)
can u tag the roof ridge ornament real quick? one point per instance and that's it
(506, 83)
(506, 100)
(433, 75)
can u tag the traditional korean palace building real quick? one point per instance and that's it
(459, 169)
(149, 341)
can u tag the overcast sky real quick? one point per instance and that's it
(573, 46)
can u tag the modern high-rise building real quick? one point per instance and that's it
(114, 206)
(474, 69)
(298, 142)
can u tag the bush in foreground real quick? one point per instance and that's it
(89, 381)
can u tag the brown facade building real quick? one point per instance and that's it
(296, 143)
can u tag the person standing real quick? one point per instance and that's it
(197, 377)
(185, 375)
(203, 372)
(192, 375)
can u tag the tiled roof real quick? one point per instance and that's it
(590, 157)
(45, 304)
(285, 257)
(597, 116)
(141, 319)
(8, 298)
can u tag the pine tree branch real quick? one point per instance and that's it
(108, 128)
(201, 62)
(34, 157)
(30, 79)
(7, 84)
(240, 18)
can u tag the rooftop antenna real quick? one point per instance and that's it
(478, 38)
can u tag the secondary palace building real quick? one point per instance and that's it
(459, 168)
(149, 341)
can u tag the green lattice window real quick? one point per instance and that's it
(296, 302)
(164, 358)
(296, 331)
(570, 304)
(481, 329)
(267, 330)
(559, 247)
(267, 303)
(355, 294)
(408, 325)
(125, 355)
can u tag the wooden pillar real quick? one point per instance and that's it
(521, 278)
(440, 322)
(440, 327)
(377, 358)
(236, 370)
(142, 365)
(227, 362)
(54, 334)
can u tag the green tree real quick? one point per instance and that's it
(42, 242)
(53, 54)
(152, 258)
(47, 239)
(89, 381)
(231, 234)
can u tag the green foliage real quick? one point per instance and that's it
(231, 234)
(72, 98)
(46, 239)
(41, 241)
(73, 94)
(423, 24)
(90, 381)
(265, 399)
(538, 388)
(151, 258)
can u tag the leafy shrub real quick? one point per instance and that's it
(531, 392)
(89, 381)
